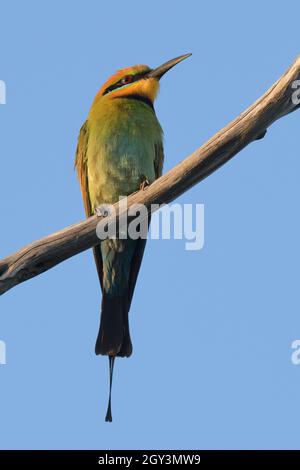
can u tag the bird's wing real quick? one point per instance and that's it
(81, 167)
(159, 159)
(141, 242)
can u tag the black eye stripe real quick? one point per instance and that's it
(121, 82)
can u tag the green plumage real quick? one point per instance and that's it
(123, 135)
(119, 147)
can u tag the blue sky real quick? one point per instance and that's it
(212, 330)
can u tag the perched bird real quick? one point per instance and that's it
(120, 149)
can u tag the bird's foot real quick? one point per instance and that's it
(101, 211)
(144, 184)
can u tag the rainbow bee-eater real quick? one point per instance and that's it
(120, 150)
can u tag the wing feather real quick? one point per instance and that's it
(159, 159)
(81, 167)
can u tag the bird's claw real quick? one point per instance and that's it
(101, 211)
(144, 184)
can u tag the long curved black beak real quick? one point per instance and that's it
(162, 69)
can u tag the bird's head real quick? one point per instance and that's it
(139, 80)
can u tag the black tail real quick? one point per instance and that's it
(114, 336)
(108, 417)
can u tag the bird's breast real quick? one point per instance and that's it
(121, 149)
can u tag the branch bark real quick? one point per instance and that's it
(46, 253)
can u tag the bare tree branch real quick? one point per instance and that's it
(281, 99)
